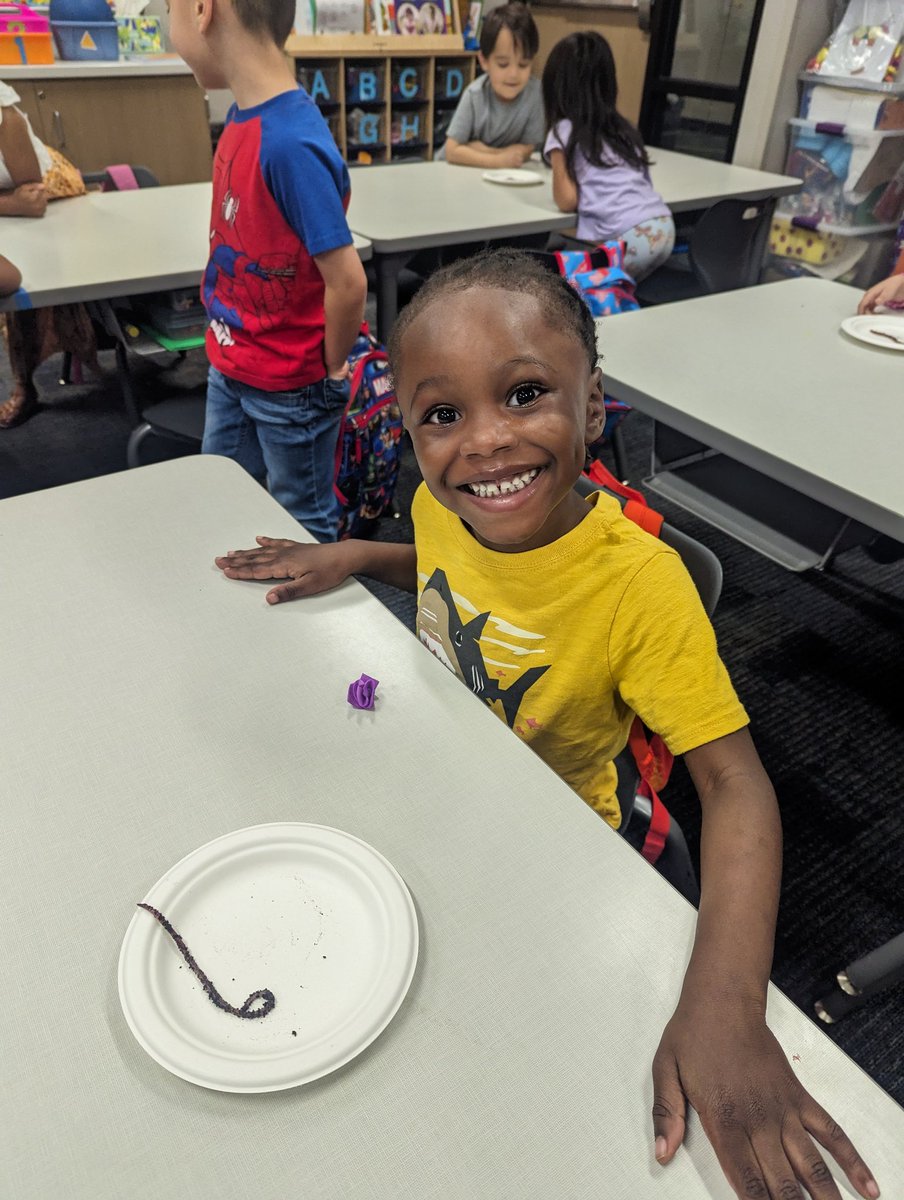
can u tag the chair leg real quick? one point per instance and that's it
(865, 977)
(136, 437)
(619, 453)
(66, 369)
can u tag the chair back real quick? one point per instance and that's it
(122, 177)
(728, 244)
(702, 564)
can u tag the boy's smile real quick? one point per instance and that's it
(500, 404)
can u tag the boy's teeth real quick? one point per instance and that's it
(506, 486)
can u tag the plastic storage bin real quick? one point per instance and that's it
(451, 81)
(853, 180)
(408, 81)
(320, 80)
(24, 36)
(86, 40)
(84, 29)
(364, 83)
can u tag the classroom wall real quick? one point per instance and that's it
(218, 101)
(629, 45)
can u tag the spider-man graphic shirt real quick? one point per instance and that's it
(280, 191)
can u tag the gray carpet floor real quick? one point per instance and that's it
(817, 659)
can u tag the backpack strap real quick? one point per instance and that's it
(651, 755)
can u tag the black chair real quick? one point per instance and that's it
(144, 177)
(179, 418)
(726, 249)
(675, 862)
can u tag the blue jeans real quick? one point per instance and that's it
(286, 440)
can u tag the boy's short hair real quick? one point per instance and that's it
(510, 271)
(275, 18)
(516, 18)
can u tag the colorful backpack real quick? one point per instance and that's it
(368, 452)
(600, 276)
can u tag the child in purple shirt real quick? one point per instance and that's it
(599, 164)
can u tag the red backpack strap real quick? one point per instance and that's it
(644, 516)
(597, 473)
(658, 832)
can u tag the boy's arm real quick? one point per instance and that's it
(476, 154)
(717, 1052)
(564, 188)
(318, 568)
(343, 304)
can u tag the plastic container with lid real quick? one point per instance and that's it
(853, 179)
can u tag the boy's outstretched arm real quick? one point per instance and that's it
(312, 568)
(343, 304)
(478, 154)
(717, 1052)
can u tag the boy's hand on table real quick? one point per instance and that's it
(765, 1127)
(310, 568)
(511, 156)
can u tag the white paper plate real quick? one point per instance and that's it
(513, 176)
(313, 914)
(870, 329)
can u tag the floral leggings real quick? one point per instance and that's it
(647, 246)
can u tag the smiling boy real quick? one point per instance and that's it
(499, 120)
(566, 619)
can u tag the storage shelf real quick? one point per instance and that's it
(330, 74)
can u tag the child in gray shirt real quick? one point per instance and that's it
(499, 120)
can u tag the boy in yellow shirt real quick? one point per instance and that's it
(566, 618)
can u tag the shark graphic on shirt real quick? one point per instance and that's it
(457, 644)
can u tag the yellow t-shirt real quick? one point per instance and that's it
(567, 642)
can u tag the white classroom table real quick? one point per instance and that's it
(412, 206)
(151, 705)
(96, 248)
(110, 244)
(801, 426)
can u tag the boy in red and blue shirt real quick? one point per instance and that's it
(284, 288)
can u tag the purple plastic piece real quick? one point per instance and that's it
(361, 693)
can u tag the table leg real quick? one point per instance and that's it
(387, 267)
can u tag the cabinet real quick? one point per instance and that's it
(388, 106)
(158, 122)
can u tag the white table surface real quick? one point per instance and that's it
(110, 244)
(410, 206)
(414, 205)
(151, 705)
(687, 182)
(766, 376)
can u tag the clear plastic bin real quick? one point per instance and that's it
(853, 180)
(320, 80)
(364, 83)
(408, 81)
